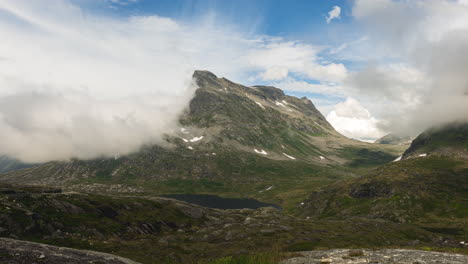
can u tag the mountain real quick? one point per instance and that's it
(395, 139)
(233, 140)
(427, 188)
(8, 164)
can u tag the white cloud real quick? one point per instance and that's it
(88, 86)
(275, 73)
(351, 119)
(326, 88)
(275, 56)
(333, 14)
(123, 2)
(426, 39)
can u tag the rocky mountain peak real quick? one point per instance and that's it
(271, 92)
(201, 74)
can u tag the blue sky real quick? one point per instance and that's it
(279, 17)
(300, 20)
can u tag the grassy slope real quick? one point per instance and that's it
(448, 139)
(427, 192)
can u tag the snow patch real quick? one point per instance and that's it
(260, 105)
(302, 203)
(214, 154)
(291, 157)
(284, 102)
(189, 147)
(225, 89)
(422, 155)
(398, 159)
(281, 104)
(269, 188)
(195, 139)
(115, 171)
(283, 147)
(321, 157)
(185, 140)
(263, 152)
(183, 130)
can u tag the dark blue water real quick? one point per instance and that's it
(213, 201)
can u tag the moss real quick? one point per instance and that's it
(266, 258)
(303, 246)
(363, 157)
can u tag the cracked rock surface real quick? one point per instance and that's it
(384, 256)
(18, 252)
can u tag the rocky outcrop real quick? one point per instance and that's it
(22, 252)
(384, 256)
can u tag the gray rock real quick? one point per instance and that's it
(22, 252)
(383, 256)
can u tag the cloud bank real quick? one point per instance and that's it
(351, 119)
(420, 59)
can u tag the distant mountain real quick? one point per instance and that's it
(395, 139)
(8, 164)
(429, 189)
(233, 140)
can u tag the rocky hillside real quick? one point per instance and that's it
(449, 140)
(233, 140)
(21, 252)
(415, 190)
(386, 256)
(427, 190)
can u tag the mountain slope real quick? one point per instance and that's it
(394, 139)
(233, 140)
(427, 191)
(450, 139)
(8, 164)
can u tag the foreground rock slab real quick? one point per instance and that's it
(384, 256)
(18, 252)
